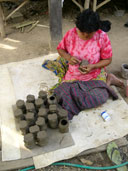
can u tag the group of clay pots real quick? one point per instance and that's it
(35, 115)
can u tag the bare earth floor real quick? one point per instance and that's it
(19, 46)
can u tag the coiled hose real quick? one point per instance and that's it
(81, 166)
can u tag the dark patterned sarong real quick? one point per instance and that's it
(79, 95)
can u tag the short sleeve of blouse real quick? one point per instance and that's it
(106, 49)
(63, 43)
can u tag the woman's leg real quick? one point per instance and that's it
(113, 80)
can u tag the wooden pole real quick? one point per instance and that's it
(55, 14)
(2, 30)
(86, 4)
(80, 6)
(94, 5)
(102, 3)
(21, 5)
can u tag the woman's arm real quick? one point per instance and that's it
(101, 64)
(71, 59)
(64, 54)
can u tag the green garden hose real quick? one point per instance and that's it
(82, 166)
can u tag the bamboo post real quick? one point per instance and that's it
(86, 4)
(21, 5)
(102, 3)
(80, 6)
(2, 30)
(94, 5)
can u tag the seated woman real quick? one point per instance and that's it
(87, 42)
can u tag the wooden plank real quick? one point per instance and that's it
(2, 30)
(21, 5)
(102, 3)
(10, 144)
(22, 163)
(15, 164)
(120, 142)
(79, 5)
(55, 13)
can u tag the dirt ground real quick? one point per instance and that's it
(18, 46)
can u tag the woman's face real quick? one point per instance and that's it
(84, 35)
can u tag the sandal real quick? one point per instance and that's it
(115, 155)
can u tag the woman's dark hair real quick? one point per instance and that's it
(89, 21)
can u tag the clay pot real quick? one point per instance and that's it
(29, 141)
(21, 105)
(43, 113)
(62, 113)
(39, 103)
(42, 138)
(30, 118)
(124, 71)
(34, 129)
(53, 121)
(19, 114)
(64, 126)
(30, 98)
(52, 108)
(52, 100)
(41, 123)
(83, 63)
(23, 127)
(43, 94)
(30, 107)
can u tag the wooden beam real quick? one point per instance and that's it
(86, 4)
(15, 164)
(79, 5)
(102, 3)
(2, 30)
(21, 5)
(55, 14)
(94, 5)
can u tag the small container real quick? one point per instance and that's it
(105, 116)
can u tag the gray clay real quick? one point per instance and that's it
(38, 103)
(30, 118)
(53, 121)
(62, 113)
(34, 129)
(52, 108)
(41, 123)
(42, 138)
(23, 127)
(83, 63)
(30, 98)
(52, 100)
(19, 114)
(30, 107)
(29, 141)
(43, 94)
(64, 126)
(20, 104)
(43, 113)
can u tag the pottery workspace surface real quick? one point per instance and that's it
(88, 129)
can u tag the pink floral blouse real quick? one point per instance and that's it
(93, 50)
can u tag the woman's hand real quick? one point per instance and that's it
(73, 60)
(87, 68)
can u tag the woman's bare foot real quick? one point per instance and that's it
(113, 80)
